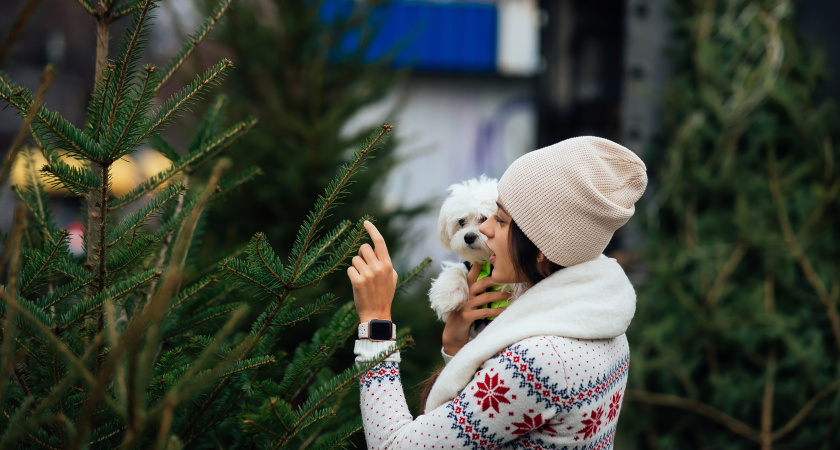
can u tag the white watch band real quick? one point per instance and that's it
(364, 330)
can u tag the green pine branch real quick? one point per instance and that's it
(49, 127)
(309, 361)
(192, 291)
(39, 266)
(337, 259)
(162, 146)
(312, 418)
(248, 364)
(117, 97)
(88, 6)
(305, 361)
(17, 144)
(130, 129)
(70, 269)
(103, 434)
(37, 321)
(289, 318)
(243, 274)
(324, 244)
(334, 191)
(200, 318)
(265, 263)
(233, 183)
(62, 292)
(340, 438)
(190, 45)
(169, 360)
(333, 336)
(128, 256)
(315, 403)
(96, 107)
(187, 164)
(224, 188)
(114, 292)
(126, 8)
(210, 123)
(197, 377)
(416, 271)
(256, 335)
(280, 410)
(138, 218)
(182, 99)
(35, 198)
(78, 180)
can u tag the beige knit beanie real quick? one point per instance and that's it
(569, 198)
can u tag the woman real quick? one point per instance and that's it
(550, 370)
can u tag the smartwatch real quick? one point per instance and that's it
(378, 330)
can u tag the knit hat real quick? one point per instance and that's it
(570, 197)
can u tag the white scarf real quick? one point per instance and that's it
(591, 300)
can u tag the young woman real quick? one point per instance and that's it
(550, 370)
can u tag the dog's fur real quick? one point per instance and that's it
(469, 204)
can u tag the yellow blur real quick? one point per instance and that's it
(126, 173)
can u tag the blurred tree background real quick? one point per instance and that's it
(297, 73)
(306, 92)
(736, 342)
(133, 340)
(302, 70)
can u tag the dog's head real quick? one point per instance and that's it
(469, 204)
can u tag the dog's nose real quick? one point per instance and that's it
(469, 238)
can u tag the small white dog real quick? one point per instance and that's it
(469, 204)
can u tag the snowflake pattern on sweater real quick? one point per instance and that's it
(543, 392)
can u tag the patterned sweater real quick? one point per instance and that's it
(543, 392)
(548, 373)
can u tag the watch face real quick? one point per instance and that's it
(380, 330)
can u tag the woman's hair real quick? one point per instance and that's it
(524, 254)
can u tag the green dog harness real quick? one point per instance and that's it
(486, 270)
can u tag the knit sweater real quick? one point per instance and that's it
(548, 373)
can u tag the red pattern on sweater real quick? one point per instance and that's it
(540, 393)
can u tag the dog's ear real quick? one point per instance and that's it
(443, 230)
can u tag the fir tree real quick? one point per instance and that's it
(305, 69)
(136, 344)
(737, 336)
(304, 73)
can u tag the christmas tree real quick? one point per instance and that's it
(305, 73)
(736, 343)
(305, 69)
(135, 343)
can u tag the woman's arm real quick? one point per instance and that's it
(374, 283)
(492, 410)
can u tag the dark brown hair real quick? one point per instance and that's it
(524, 254)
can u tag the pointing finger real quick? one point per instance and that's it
(379, 246)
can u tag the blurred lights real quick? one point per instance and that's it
(126, 173)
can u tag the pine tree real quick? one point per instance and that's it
(305, 69)
(136, 344)
(304, 73)
(736, 343)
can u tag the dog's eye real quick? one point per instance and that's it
(462, 222)
(482, 219)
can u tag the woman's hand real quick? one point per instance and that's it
(456, 333)
(373, 278)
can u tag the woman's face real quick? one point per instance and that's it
(497, 230)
